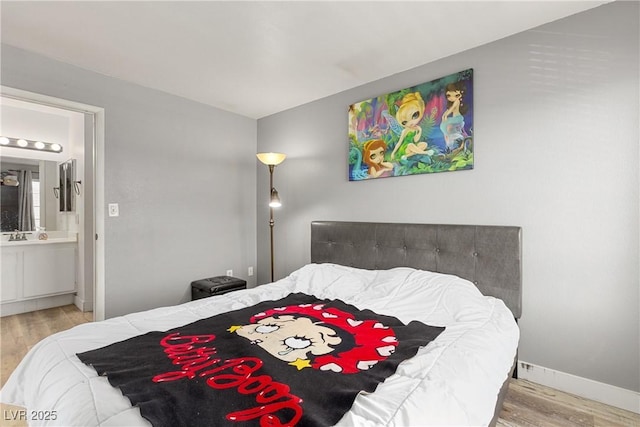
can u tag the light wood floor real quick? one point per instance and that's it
(527, 404)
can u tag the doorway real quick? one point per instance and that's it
(91, 246)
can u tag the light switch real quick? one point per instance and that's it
(114, 210)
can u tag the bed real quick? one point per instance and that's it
(462, 281)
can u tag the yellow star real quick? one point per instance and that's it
(301, 364)
(234, 328)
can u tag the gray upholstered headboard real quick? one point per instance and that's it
(489, 256)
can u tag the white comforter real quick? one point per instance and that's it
(454, 380)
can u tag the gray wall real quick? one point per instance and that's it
(556, 149)
(183, 173)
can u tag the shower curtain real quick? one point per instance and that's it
(26, 220)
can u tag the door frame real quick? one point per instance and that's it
(98, 114)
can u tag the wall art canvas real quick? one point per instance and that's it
(426, 128)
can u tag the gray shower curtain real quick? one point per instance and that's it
(26, 220)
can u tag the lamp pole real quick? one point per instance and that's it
(271, 220)
(272, 160)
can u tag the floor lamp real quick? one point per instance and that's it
(272, 160)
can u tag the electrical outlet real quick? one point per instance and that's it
(250, 271)
(229, 272)
(114, 209)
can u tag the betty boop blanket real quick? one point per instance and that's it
(295, 361)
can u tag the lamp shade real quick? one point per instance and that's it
(271, 158)
(275, 202)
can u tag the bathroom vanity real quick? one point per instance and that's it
(37, 274)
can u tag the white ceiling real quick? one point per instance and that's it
(259, 58)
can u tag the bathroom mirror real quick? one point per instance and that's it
(43, 202)
(66, 172)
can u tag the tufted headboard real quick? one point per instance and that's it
(488, 256)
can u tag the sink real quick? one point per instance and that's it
(53, 237)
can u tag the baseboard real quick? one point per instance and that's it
(24, 306)
(82, 304)
(584, 387)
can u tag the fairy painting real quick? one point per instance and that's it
(426, 128)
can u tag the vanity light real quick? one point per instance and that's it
(30, 145)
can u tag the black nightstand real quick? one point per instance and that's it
(217, 285)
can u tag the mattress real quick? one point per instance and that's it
(454, 380)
